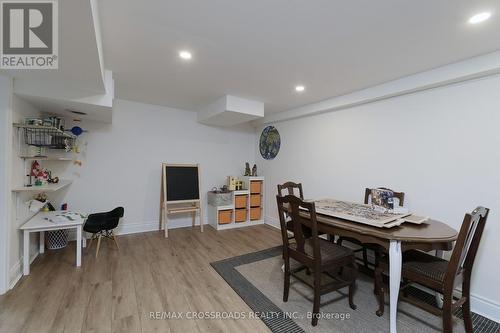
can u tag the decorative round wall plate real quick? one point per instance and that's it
(270, 142)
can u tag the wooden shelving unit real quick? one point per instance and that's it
(246, 208)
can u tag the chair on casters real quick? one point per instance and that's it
(314, 253)
(441, 275)
(102, 225)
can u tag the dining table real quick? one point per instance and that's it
(427, 236)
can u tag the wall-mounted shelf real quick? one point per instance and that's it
(46, 158)
(46, 136)
(52, 130)
(44, 188)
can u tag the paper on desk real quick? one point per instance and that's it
(65, 217)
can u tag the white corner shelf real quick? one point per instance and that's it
(46, 158)
(44, 188)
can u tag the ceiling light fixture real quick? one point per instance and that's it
(481, 17)
(186, 55)
(300, 88)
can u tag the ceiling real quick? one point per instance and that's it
(261, 49)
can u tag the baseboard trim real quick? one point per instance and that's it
(16, 271)
(479, 304)
(136, 228)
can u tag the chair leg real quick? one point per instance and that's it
(352, 286)
(466, 306)
(377, 260)
(447, 317)
(380, 291)
(114, 238)
(365, 257)
(90, 242)
(98, 245)
(286, 285)
(317, 296)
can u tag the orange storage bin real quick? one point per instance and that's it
(240, 201)
(255, 200)
(240, 215)
(225, 216)
(255, 213)
(256, 186)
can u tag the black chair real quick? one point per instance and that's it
(102, 225)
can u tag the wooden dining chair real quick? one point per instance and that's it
(291, 188)
(441, 275)
(365, 247)
(314, 253)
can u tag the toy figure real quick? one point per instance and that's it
(254, 170)
(247, 169)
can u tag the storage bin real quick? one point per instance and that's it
(240, 201)
(255, 200)
(57, 239)
(220, 198)
(240, 215)
(225, 216)
(255, 213)
(255, 186)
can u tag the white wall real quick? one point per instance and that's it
(19, 213)
(5, 129)
(441, 147)
(122, 160)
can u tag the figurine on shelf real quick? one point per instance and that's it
(40, 175)
(254, 170)
(247, 169)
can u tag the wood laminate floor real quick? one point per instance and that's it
(118, 291)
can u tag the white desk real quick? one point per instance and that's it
(39, 224)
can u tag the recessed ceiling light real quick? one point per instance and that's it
(186, 55)
(480, 17)
(300, 88)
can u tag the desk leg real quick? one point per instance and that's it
(26, 252)
(84, 239)
(395, 263)
(42, 242)
(439, 297)
(79, 246)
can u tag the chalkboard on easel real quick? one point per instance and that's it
(180, 192)
(182, 183)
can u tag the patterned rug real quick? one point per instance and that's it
(258, 280)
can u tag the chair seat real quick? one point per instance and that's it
(329, 251)
(424, 264)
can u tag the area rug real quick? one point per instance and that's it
(258, 280)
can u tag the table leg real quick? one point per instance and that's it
(79, 246)
(395, 263)
(26, 252)
(42, 242)
(439, 297)
(84, 239)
